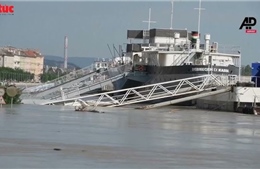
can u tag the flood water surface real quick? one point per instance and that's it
(34, 136)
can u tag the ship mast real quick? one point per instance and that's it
(171, 14)
(149, 21)
(199, 16)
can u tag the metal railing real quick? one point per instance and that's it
(155, 91)
(229, 49)
(255, 80)
(92, 86)
(179, 59)
(63, 79)
(187, 58)
(109, 75)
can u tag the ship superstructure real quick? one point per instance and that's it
(174, 54)
(159, 55)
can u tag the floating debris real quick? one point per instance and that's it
(84, 107)
(57, 149)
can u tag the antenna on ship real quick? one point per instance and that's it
(171, 14)
(65, 65)
(200, 9)
(198, 41)
(149, 21)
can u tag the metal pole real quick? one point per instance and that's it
(12, 99)
(239, 67)
(199, 18)
(149, 19)
(208, 64)
(172, 15)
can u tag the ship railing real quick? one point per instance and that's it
(180, 58)
(188, 57)
(246, 78)
(183, 46)
(228, 79)
(255, 80)
(234, 79)
(228, 49)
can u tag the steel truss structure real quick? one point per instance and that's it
(181, 87)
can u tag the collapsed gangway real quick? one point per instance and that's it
(79, 82)
(181, 87)
(62, 80)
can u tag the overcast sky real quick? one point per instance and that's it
(90, 26)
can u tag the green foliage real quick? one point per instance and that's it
(15, 74)
(50, 76)
(246, 70)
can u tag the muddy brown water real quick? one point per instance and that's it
(34, 136)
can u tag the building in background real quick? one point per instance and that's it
(26, 59)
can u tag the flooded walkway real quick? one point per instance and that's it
(55, 137)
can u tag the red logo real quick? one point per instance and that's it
(6, 9)
(251, 31)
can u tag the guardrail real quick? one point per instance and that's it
(65, 78)
(109, 75)
(156, 91)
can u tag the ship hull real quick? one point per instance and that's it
(158, 74)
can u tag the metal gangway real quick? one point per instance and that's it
(90, 86)
(89, 82)
(62, 80)
(169, 89)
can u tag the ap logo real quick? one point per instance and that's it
(249, 22)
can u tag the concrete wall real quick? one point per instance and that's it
(223, 102)
(227, 101)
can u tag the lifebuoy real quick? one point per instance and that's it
(141, 68)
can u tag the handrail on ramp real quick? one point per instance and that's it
(156, 91)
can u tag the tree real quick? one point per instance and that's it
(50, 76)
(15, 74)
(246, 70)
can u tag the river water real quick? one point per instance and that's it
(34, 136)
